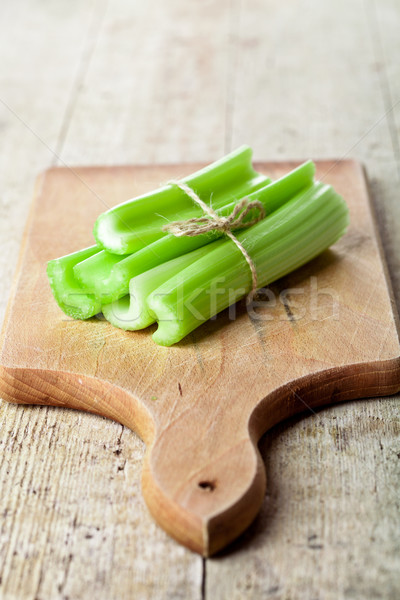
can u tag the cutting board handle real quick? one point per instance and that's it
(207, 506)
(203, 497)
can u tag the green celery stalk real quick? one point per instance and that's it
(131, 311)
(130, 226)
(291, 236)
(108, 275)
(71, 298)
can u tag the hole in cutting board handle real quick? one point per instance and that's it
(208, 486)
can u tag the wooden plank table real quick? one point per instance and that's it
(144, 82)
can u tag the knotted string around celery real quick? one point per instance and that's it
(214, 222)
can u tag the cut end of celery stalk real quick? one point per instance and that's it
(97, 275)
(128, 313)
(170, 330)
(74, 302)
(70, 297)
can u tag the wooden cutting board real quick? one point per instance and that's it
(327, 333)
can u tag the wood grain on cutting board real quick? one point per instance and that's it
(201, 406)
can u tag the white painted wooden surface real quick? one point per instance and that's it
(126, 81)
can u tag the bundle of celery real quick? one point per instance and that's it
(138, 274)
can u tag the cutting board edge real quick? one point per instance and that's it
(37, 189)
(381, 250)
(372, 386)
(74, 169)
(308, 383)
(26, 385)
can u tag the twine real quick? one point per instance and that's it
(213, 222)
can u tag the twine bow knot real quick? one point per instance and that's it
(211, 221)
